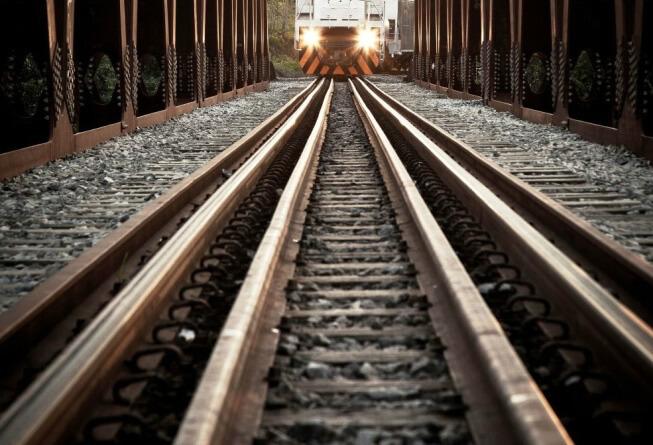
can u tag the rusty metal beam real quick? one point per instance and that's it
(504, 69)
(63, 113)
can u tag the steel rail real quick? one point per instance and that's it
(224, 397)
(622, 340)
(214, 411)
(630, 276)
(61, 393)
(34, 314)
(527, 418)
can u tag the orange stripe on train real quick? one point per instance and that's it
(374, 58)
(313, 68)
(307, 55)
(363, 65)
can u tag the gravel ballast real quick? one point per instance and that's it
(608, 168)
(52, 213)
(358, 360)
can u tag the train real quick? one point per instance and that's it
(348, 38)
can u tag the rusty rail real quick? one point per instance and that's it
(626, 273)
(215, 408)
(231, 384)
(506, 386)
(63, 391)
(36, 313)
(622, 339)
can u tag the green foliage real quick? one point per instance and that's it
(281, 29)
(536, 74)
(105, 80)
(287, 66)
(151, 73)
(582, 77)
(32, 86)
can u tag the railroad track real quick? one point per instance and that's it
(611, 210)
(53, 215)
(42, 323)
(557, 200)
(362, 289)
(356, 334)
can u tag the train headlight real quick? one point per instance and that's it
(367, 38)
(311, 37)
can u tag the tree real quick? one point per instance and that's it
(281, 27)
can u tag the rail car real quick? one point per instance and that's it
(353, 37)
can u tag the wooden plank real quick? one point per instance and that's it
(353, 279)
(328, 266)
(393, 331)
(382, 312)
(370, 246)
(351, 238)
(375, 417)
(364, 356)
(363, 293)
(363, 386)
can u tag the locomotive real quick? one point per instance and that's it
(353, 37)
